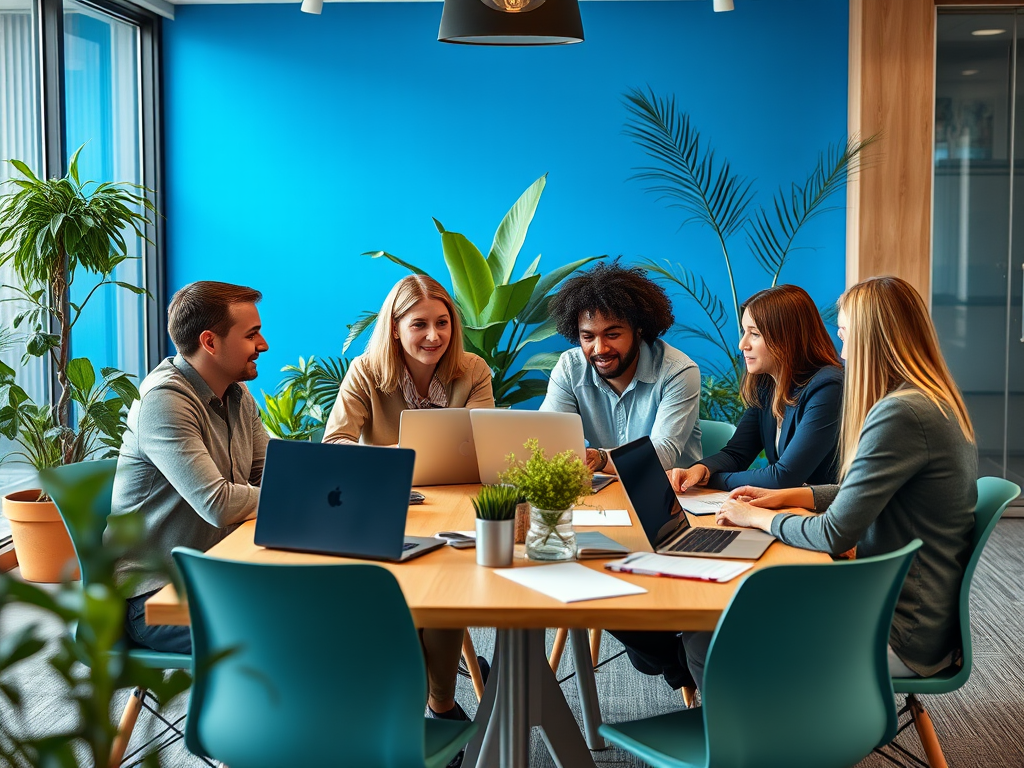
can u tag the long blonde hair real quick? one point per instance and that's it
(890, 342)
(384, 355)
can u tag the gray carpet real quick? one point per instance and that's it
(981, 725)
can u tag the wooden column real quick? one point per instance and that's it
(892, 94)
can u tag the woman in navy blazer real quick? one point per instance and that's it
(794, 392)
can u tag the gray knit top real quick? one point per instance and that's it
(914, 476)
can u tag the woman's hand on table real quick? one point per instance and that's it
(744, 515)
(693, 477)
(782, 498)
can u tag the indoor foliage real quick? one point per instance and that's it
(51, 232)
(302, 404)
(501, 316)
(687, 175)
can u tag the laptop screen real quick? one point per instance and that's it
(649, 490)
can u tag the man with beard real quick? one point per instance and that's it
(623, 380)
(192, 456)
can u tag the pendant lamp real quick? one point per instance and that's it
(511, 22)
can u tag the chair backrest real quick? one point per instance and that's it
(798, 665)
(714, 435)
(994, 495)
(82, 494)
(322, 667)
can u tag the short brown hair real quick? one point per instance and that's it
(204, 305)
(795, 336)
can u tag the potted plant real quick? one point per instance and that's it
(51, 232)
(551, 486)
(495, 507)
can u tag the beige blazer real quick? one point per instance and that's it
(362, 413)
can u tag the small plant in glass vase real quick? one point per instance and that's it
(552, 487)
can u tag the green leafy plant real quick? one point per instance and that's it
(687, 175)
(89, 659)
(52, 231)
(497, 502)
(501, 317)
(553, 484)
(302, 403)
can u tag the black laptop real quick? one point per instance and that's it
(667, 528)
(348, 500)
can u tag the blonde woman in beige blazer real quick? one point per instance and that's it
(414, 360)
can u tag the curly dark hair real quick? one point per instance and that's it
(615, 291)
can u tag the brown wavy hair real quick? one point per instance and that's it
(890, 343)
(795, 336)
(384, 356)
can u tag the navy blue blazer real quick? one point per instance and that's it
(808, 445)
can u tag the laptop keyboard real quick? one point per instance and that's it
(409, 545)
(704, 540)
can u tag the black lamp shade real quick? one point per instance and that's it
(471, 22)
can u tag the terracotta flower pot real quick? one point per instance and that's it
(44, 549)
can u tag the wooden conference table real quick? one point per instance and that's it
(446, 588)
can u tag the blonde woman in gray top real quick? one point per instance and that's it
(908, 469)
(414, 360)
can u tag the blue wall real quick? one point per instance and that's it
(294, 143)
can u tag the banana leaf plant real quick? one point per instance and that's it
(686, 174)
(51, 232)
(501, 316)
(300, 407)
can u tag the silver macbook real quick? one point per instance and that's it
(338, 499)
(663, 519)
(443, 441)
(499, 432)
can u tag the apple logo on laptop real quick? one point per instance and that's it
(334, 497)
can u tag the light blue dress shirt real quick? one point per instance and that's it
(662, 400)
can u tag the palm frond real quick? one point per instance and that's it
(686, 174)
(694, 286)
(325, 382)
(770, 233)
(355, 330)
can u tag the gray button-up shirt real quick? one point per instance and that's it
(190, 465)
(662, 400)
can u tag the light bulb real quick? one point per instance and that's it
(723, 5)
(312, 6)
(513, 6)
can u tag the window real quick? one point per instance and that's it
(74, 73)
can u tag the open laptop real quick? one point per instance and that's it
(443, 441)
(667, 528)
(498, 432)
(348, 500)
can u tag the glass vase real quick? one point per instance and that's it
(550, 536)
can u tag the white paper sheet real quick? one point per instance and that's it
(569, 582)
(599, 518)
(702, 504)
(702, 568)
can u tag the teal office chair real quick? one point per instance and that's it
(308, 665)
(994, 495)
(714, 435)
(797, 674)
(82, 494)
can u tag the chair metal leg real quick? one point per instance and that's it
(689, 695)
(561, 635)
(469, 654)
(595, 646)
(926, 732)
(126, 726)
(586, 687)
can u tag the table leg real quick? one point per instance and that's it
(586, 686)
(522, 692)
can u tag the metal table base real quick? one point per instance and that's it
(522, 692)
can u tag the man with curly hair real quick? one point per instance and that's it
(623, 380)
